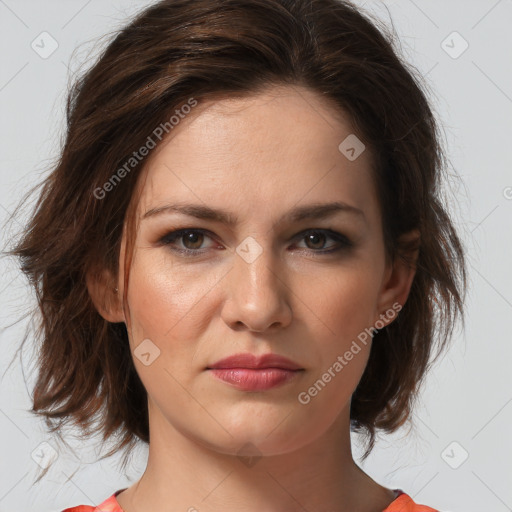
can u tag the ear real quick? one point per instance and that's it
(107, 301)
(398, 278)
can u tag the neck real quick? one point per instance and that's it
(184, 474)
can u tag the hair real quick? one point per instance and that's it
(178, 50)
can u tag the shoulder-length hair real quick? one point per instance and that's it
(177, 52)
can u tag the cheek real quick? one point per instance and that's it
(344, 300)
(165, 297)
(171, 305)
(344, 304)
(166, 308)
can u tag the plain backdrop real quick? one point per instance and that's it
(458, 455)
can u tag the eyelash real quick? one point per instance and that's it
(172, 236)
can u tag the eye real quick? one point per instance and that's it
(316, 238)
(191, 239)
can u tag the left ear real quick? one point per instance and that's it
(398, 277)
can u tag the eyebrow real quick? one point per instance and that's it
(312, 211)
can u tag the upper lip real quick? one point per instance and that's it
(253, 361)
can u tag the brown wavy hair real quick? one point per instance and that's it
(176, 50)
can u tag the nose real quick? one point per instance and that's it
(257, 292)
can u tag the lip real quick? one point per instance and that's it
(249, 372)
(250, 361)
(251, 379)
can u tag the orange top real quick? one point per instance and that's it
(403, 503)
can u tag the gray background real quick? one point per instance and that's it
(466, 402)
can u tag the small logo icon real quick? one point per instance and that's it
(146, 352)
(44, 454)
(249, 455)
(249, 249)
(351, 147)
(44, 45)
(454, 45)
(454, 455)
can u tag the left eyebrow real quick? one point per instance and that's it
(312, 211)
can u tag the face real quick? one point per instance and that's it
(280, 277)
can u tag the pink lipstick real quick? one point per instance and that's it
(248, 372)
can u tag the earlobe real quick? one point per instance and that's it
(399, 277)
(105, 296)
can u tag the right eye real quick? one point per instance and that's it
(191, 240)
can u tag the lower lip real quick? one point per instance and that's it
(248, 379)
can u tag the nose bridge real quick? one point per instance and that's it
(255, 264)
(256, 296)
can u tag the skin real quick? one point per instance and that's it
(257, 157)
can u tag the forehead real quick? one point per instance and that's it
(263, 152)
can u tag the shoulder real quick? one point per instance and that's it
(109, 505)
(404, 503)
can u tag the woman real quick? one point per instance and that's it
(241, 255)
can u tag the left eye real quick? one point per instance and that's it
(318, 237)
(192, 240)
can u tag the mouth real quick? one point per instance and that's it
(255, 379)
(250, 372)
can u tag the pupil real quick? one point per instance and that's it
(192, 238)
(314, 238)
